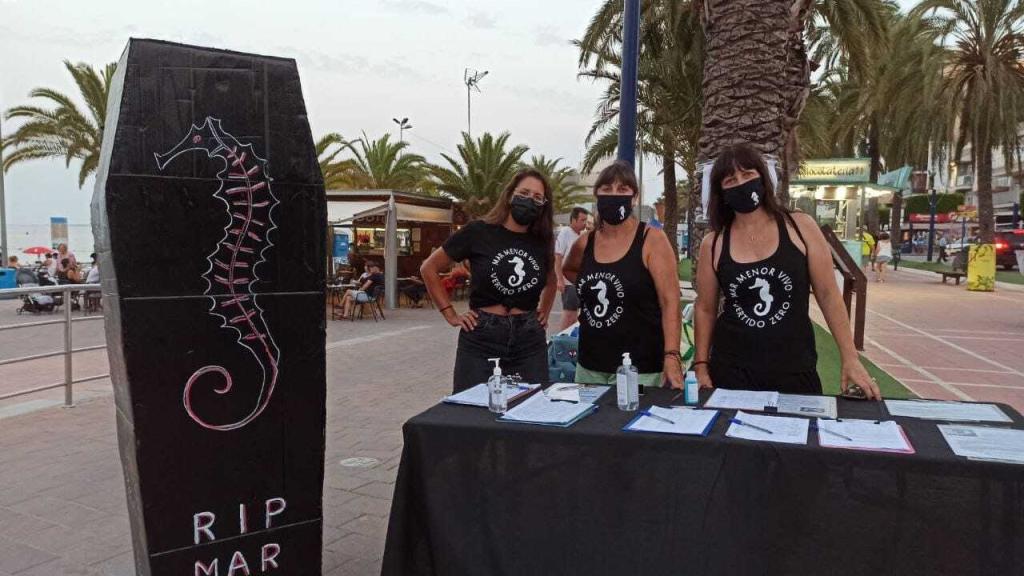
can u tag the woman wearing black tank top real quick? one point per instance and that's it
(764, 261)
(512, 284)
(626, 280)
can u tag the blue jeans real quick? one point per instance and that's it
(518, 340)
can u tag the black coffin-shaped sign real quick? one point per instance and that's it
(209, 218)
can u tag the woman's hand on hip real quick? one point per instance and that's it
(542, 317)
(673, 372)
(465, 321)
(854, 372)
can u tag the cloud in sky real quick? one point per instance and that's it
(414, 7)
(482, 20)
(550, 36)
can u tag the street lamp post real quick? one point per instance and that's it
(933, 201)
(403, 125)
(627, 91)
(472, 80)
(3, 207)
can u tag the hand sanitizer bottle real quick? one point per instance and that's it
(627, 381)
(690, 388)
(497, 399)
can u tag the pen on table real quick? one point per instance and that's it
(827, 431)
(741, 423)
(656, 417)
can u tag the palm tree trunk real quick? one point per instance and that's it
(896, 220)
(986, 213)
(798, 89)
(874, 151)
(751, 86)
(668, 171)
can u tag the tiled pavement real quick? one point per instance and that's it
(62, 505)
(942, 341)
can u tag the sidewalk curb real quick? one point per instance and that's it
(927, 273)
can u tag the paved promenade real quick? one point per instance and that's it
(942, 341)
(62, 504)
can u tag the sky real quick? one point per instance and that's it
(361, 63)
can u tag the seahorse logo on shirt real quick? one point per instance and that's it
(515, 271)
(765, 294)
(518, 273)
(602, 298)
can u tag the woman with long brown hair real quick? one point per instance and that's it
(764, 261)
(512, 284)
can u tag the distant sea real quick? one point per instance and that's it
(22, 236)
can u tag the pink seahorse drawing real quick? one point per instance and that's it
(247, 197)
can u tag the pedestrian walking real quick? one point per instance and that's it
(883, 255)
(567, 236)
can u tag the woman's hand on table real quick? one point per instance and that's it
(673, 371)
(853, 372)
(703, 376)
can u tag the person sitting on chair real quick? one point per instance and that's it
(362, 294)
(415, 290)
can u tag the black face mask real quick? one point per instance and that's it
(744, 198)
(614, 209)
(524, 211)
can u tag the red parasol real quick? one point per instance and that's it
(38, 250)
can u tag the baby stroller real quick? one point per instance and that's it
(37, 302)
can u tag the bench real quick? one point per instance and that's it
(957, 270)
(954, 274)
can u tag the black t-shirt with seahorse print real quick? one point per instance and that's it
(507, 268)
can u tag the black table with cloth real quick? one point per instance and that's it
(475, 496)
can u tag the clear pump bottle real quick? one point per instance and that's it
(497, 398)
(627, 385)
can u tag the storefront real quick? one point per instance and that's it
(838, 191)
(398, 229)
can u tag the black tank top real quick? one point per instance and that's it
(619, 311)
(765, 324)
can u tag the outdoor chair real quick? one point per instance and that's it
(375, 304)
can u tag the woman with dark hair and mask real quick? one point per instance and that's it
(764, 261)
(512, 287)
(626, 279)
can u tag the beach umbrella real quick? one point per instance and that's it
(37, 251)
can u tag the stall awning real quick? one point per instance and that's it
(406, 213)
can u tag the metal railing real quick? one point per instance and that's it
(67, 320)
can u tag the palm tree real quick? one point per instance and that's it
(63, 131)
(892, 109)
(381, 164)
(337, 174)
(566, 190)
(480, 173)
(668, 88)
(984, 84)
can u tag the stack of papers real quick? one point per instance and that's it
(575, 392)
(949, 411)
(742, 400)
(772, 428)
(479, 395)
(539, 409)
(801, 405)
(984, 443)
(684, 420)
(863, 435)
